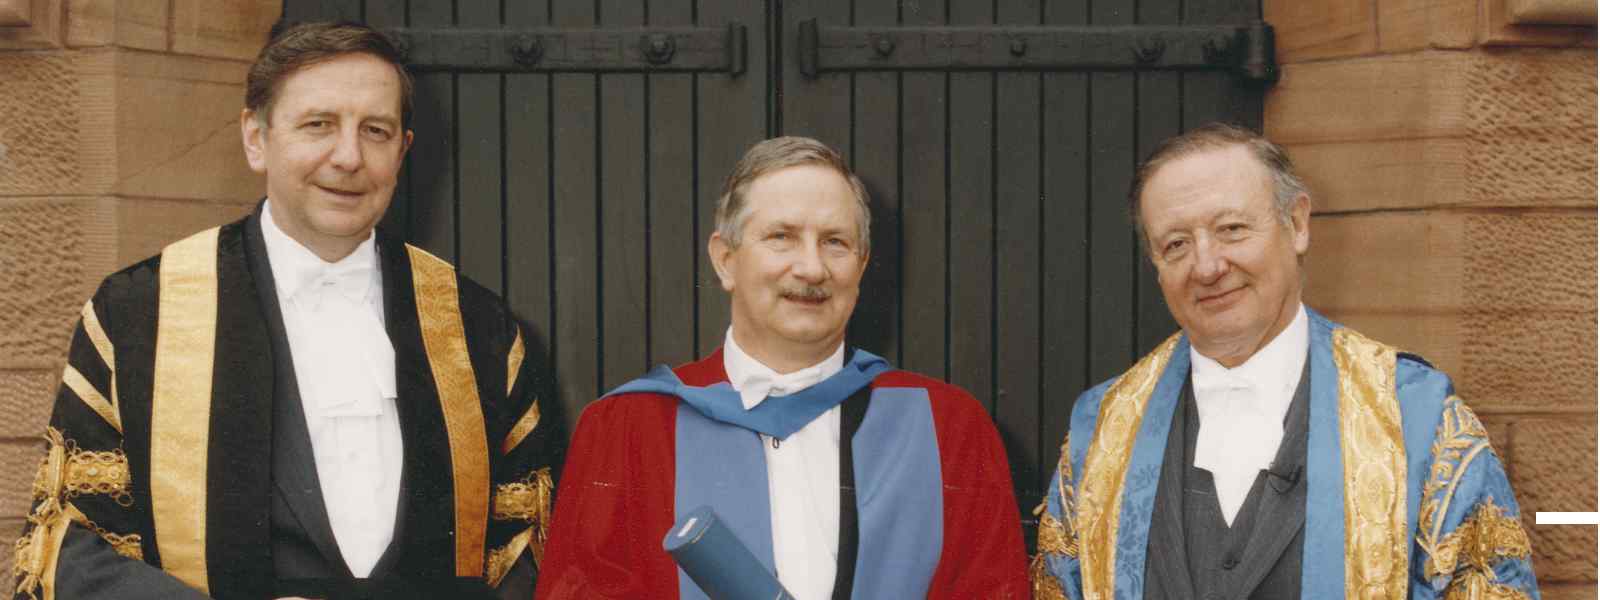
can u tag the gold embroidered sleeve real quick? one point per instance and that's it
(1463, 558)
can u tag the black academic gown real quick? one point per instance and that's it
(158, 487)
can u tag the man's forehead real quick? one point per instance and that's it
(352, 80)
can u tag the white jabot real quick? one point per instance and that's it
(344, 365)
(1242, 411)
(802, 473)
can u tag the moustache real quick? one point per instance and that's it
(806, 294)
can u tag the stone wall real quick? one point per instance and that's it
(1451, 150)
(119, 134)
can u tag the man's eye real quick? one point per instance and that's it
(379, 133)
(318, 124)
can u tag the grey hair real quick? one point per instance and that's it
(776, 154)
(1286, 183)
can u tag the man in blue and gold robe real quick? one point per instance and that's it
(1266, 451)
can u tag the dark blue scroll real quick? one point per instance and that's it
(718, 562)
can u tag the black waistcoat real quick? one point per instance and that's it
(1193, 553)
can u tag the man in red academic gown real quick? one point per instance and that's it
(844, 477)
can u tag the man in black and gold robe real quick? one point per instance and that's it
(226, 403)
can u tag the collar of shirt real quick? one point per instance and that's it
(302, 276)
(1242, 410)
(755, 381)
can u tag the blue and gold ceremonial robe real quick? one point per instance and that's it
(1405, 497)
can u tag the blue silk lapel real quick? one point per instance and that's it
(1144, 472)
(1322, 573)
(719, 402)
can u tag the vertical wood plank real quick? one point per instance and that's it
(874, 154)
(1065, 274)
(1216, 95)
(325, 10)
(530, 280)
(820, 107)
(387, 14)
(1160, 117)
(732, 114)
(1017, 259)
(674, 248)
(924, 208)
(623, 252)
(1111, 161)
(432, 164)
(971, 264)
(480, 201)
(576, 343)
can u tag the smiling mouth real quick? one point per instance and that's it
(806, 300)
(1218, 298)
(338, 192)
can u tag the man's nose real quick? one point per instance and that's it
(1210, 264)
(809, 266)
(347, 151)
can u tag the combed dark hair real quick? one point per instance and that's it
(1286, 184)
(776, 154)
(297, 46)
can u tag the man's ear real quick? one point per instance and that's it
(720, 253)
(1300, 219)
(405, 143)
(254, 136)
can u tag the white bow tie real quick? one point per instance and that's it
(350, 280)
(761, 385)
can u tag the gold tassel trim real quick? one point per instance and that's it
(80, 472)
(1045, 585)
(527, 500)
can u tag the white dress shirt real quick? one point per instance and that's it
(344, 365)
(1242, 411)
(802, 473)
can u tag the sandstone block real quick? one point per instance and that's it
(1567, 591)
(43, 125)
(19, 461)
(146, 225)
(1317, 29)
(1555, 471)
(114, 23)
(1482, 128)
(10, 530)
(227, 28)
(55, 255)
(1500, 26)
(114, 121)
(25, 399)
(30, 24)
(1503, 302)
(1405, 25)
(1552, 12)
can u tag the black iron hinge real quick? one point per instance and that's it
(536, 50)
(1246, 50)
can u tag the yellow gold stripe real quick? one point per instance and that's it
(102, 345)
(524, 426)
(1105, 468)
(86, 392)
(530, 418)
(503, 558)
(1376, 543)
(186, 338)
(514, 362)
(444, 337)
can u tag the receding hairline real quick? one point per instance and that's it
(396, 79)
